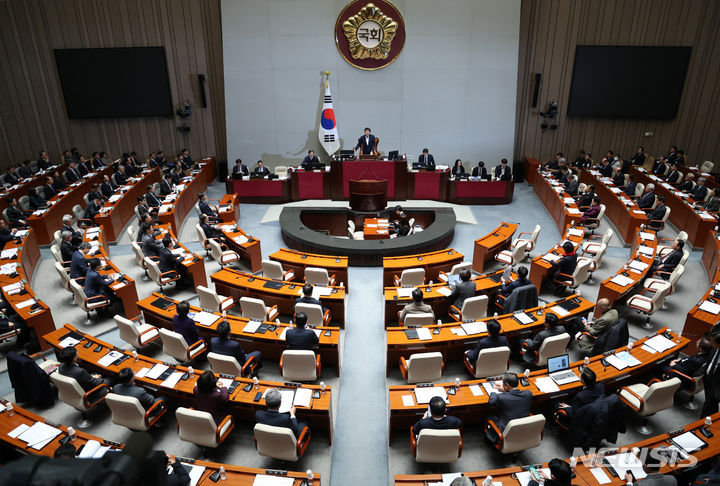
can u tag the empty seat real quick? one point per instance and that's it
(318, 276)
(422, 367)
(314, 313)
(355, 235)
(650, 305)
(654, 283)
(280, 442)
(128, 412)
(300, 365)
(707, 166)
(490, 362)
(595, 260)
(412, 277)
(473, 308)
(131, 233)
(71, 393)
(649, 399)
(591, 247)
(174, 345)
(436, 445)
(511, 257)
(526, 245)
(136, 336)
(211, 301)
(274, 270)
(519, 434)
(221, 254)
(65, 279)
(199, 428)
(281, 171)
(140, 258)
(255, 309)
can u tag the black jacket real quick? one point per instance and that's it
(31, 384)
(277, 419)
(128, 390)
(301, 338)
(445, 423)
(81, 375)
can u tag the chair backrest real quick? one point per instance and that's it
(459, 267)
(86, 198)
(77, 211)
(276, 442)
(196, 427)
(153, 270)
(581, 273)
(658, 298)
(137, 211)
(523, 433)
(313, 312)
(492, 362)
(24, 202)
(659, 395)
(606, 236)
(114, 179)
(682, 235)
(524, 297)
(411, 224)
(518, 254)
(707, 166)
(126, 411)
(424, 367)
(79, 295)
(221, 363)
(474, 308)
(272, 269)
(208, 298)
(552, 346)
(667, 214)
(597, 258)
(534, 236)
(174, 344)
(200, 233)
(601, 213)
(281, 170)
(69, 391)
(412, 277)
(317, 276)
(197, 209)
(676, 274)
(5, 216)
(63, 275)
(639, 188)
(131, 233)
(438, 445)
(253, 308)
(139, 257)
(351, 225)
(127, 330)
(55, 250)
(216, 250)
(156, 188)
(684, 258)
(299, 365)
(419, 319)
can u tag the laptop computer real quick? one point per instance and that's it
(559, 369)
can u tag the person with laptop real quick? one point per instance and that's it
(462, 290)
(436, 418)
(591, 391)
(595, 327)
(509, 403)
(492, 340)
(426, 160)
(552, 328)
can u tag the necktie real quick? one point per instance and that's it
(426, 160)
(712, 369)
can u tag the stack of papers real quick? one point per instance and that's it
(251, 326)
(36, 436)
(575, 211)
(471, 328)
(109, 358)
(8, 268)
(458, 331)
(241, 240)
(647, 236)
(13, 289)
(622, 280)
(93, 450)
(402, 292)
(526, 476)
(476, 390)
(172, 380)
(444, 291)
(25, 303)
(205, 318)
(546, 385)
(425, 394)
(689, 442)
(627, 461)
(523, 318)
(710, 307)
(660, 343)
(489, 387)
(6, 254)
(556, 309)
(156, 371)
(575, 232)
(646, 250)
(265, 480)
(551, 257)
(320, 291)
(639, 266)
(622, 360)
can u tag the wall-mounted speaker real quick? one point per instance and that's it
(203, 96)
(535, 91)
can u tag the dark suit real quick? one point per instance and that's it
(120, 178)
(42, 164)
(572, 188)
(619, 180)
(36, 202)
(210, 232)
(565, 265)
(304, 339)
(647, 200)
(507, 288)
(711, 381)
(686, 186)
(71, 175)
(479, 171)
(462, 291)
(672, 177)
(82, 169)
(206, 209)
(689, 365)
(242, 168)
(230, 347)
(96, 284)
(712, 204)
(503, 173)
(699, 193)
(91, 210)
(214, 403)
(638, 159)
(261, 171)
(427, 163)
(11, 179)
(535, 343)
(168, 261)
(79, 265)
(630, 189)
(511, 405)
(92, 195)
(585, 397)
(667, 263)
(152, 199)
(456, 171)
(15, 215)
(308, 162)
(605, 170)
(67, 250)
(49, 191)
(165, 187)
(487, 342)
(58, 184)
(367, 145)
(186, 327)
(179, 475)
(277, 419)
(107, 189)
(129, 390)
(150, 246)
(445, 423)
(76, 236)
(97, 163)
(5, 236)
(657, 215)
(307, 300)
(25, 172)
(81, 375)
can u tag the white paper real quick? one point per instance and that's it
(303, 396)
(448, 478)
(710, 307)
(616, 362)
(266, 480)
(600, 475)
(252, 326)
(240, 240)
(319, 292)
(525, 476)
(195, 472)
(660, 343)
(476, 390)
(408, 401)
(628, 358)
(546, 385)
(551, 257)
(403, 292)
(489, 387)
(645, 235)
(648, 349)
(172, 380)
(573, 211)
(142, 373)
(471, 328)
(646, 250)
(25, 303)
(68, 341)
(9, 253)
(458, 331)
(556, 309)
(283, 334)
(575, 232)
(108, 359)
(39, 435)
(424, 334)
(425, 394)
(156, 371)
(637, 265)
(627, 461)
(205, 318)
(689, 442)
(523, 317)
(444, 291)
(622, 280)
(14, 433)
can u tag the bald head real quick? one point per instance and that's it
(603, 304)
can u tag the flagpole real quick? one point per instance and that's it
(327, 79)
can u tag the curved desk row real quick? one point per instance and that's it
(247, 247)
(176, 207)
(491, 244)
(542, 265)
(702, 317)
(452, 340)
(22, 188)
(298, 261)
(270, 342)
(241, 404)
(193, 264)
(236, 475)
(433, 263)
(473, 408)
(560, 205)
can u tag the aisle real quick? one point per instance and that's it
(360, 447)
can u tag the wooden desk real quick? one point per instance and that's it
(114, 215)
(298, 261)
(395, 171)
(614, 292)
(532, 167)
(376, 229)
(194, 265)
(243, 244)
(583, 475)
(28, 253)
(309, 184)
(472, 409)
(428, 184)
(50, 220)
(698, 322)
(540, 268)
(466, 191)
(268, 343)
(682, 214)
(229, 209)
(239, 284)
(453, 346)
(491, 244)
(433, 263)
(434, 295)
(126, 291)
(260, 191)
(622, 211)
(560, 205)
(241, 404)
(176, 207)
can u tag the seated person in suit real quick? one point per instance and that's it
(144, 208)
(150, 245)
(11, 177)
(565, 176)
(437, 419)
(591, 391)
(69, 366)
(462, 290)
(639, 157)
(126, 386)
(95, 192)
(608, 318)
(120, 176)
(222, 344)
(629, 189)
(79, 264)
(503, 172)
(700, 190)
(492, 340)
(300, 338)
(261, 170)
(186, 158)
(177, 174)
(210, 230)
(72, 174)
(66, 247)
(618, 177)
(183, 325)
(565, 265)
(107, 188)
(166, 185)
(366, 143)
(311, 160)
(585, 198)
(560, 474)
(415, 307)
(6, 234)
(49, 188)
(273, 417)
(91, 210)
(210, 398)
(507, 288)
(426, 160)
(58, 183)
(240, 168)
(25, 171)
(97, 161)
(8, 323)
(674, 176)
(577, 163)
(82, 167)
(206, 209)
(605, 168)
(552, 328)
(15, 214)
(457, 169)
(572, 186)
(160, 158)
(712, 204)
(96, 284)
(689, 365)
(43, 161)
(146, 220)
(35, 201)
(656, 215)
(480, 170)
(648, 197)
(687, 183)
(510, 404)
(170, 262)
(151, 198)
(555, 163)
(398, 218)
(592, 212)
(668, 263)
(307, 297)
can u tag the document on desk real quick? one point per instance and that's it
(251, 327)
(303, 397)
(109, 358)
(241, 240)
(426, 393)
(622, 280)
(546, 385)
(627, 461)
(476, 390)
(321, 291)
(458, 331)
(68, 341)
(660, 343)
(444, 290)
(408, 401)
(525, 476)
(523, 318)
(622, 360)
(574, 211)
(471, 328)
(646, 250)
(156, 371)
(5, 254)
(600, 476)
(551, 257)
(266, 480)
(39, 435)
(424, 334)
(172, 380)
(689, 442)
(93, 450)
(404, 292)
(14, 433)
(25, 303)
(644, 235)
(639, 266)
(206, 319)
(710, 307)
(556, 309)
(489, 387)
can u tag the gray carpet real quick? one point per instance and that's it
(359, 453)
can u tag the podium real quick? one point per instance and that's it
(368, 195)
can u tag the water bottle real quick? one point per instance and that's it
(573, 462)
(487, 481)
(457, 383)
(629, 347)
(256, 382)
(135, 355)
(310, 477)
(586, 361)
(224, 315)
(223, 476)
(322, 388)
(527, 372)
(708, 421)
(10, 409)
(71, 434)
(191, 371)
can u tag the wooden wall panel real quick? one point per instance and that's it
(32, 108)
(551, 29)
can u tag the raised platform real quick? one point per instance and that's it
(320, 230)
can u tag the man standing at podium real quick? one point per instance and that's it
(367, 142)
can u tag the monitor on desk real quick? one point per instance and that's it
(394, 155)
(558, 363)
(347, 154)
